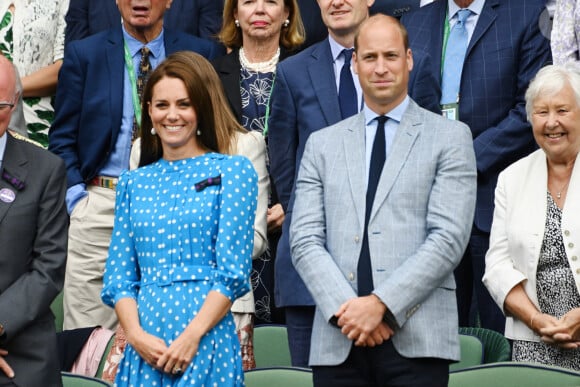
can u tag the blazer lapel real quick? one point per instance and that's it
(405, 138)
(116, 65)
(230, 73)
(486, 19)
(15, 164)
(353, 142)
(322, 75)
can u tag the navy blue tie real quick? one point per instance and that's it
(378, 156)
(346, 90)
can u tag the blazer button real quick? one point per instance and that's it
(351, 277)
(356, 239)
(566, 232)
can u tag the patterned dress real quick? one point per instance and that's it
(255, 90)
(33, 38)
(182, 229)
(557, 294)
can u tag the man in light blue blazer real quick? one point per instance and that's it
(305, 99)
(405, 331)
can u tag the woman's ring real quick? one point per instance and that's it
(176, 370)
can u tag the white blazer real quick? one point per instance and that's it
(518, 229)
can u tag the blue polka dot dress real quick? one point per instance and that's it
(183, 228)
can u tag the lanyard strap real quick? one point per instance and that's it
(135, 96)
(265, 133)
(446, 31)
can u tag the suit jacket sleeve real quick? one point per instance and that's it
(500, 143)
(64, 130)
(29, 296)
(424, 86)
(77, 20)
(210, 18)
(316, 266)
(283, 138)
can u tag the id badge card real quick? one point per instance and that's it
(450, 110)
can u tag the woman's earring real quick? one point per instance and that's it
(153, 132)
(198, 132)
(237, 23)
(286, 23)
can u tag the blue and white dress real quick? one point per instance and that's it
(183, 228)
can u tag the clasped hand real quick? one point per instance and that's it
(563, 332)
(4, 366)
(172, 359)
(361, 320)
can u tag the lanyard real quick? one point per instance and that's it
(268, 107)
(446, 30)
(131, 70)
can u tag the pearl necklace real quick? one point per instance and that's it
(260, 67)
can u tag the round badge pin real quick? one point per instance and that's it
(7, 195)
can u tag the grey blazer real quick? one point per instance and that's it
(418, 229)
(33, 245)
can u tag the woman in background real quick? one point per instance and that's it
(532, 266)
(32, 37)
(260, 34)
(183, 237)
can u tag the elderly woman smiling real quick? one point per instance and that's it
(532, 266)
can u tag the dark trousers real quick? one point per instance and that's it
(382, 366)
(473, 299)
(299, 324)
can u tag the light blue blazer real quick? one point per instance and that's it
(418, 229)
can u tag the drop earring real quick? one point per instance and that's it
(237, 23)
(198, 132)
(286, 23)
(153, 132)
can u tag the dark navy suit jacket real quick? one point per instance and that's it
(304, 100)
(89, 98)
(201, 18)
(505, 52)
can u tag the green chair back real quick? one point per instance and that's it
(471, 353)
(496, 347)
(514, 374)
(74, 380)
(279, 377)
(58, 312)
(271, 346)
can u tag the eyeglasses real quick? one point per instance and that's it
(6, 106)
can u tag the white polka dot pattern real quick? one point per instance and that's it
(171, 245)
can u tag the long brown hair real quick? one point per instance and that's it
(205, 91)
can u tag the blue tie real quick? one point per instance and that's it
(378, 157)
(454, 57)
(346, 89)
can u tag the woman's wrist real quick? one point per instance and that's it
(533, 319)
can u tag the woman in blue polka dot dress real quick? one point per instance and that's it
(182, 241)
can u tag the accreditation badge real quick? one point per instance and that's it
(450, 110)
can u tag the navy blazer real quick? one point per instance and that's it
(305, 100)
(89, 98)
(201, 18)
(505, 52)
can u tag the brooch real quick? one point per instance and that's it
(13, 181)
(200, 186)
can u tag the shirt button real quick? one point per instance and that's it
(356, 239)
(574, 258)
(351, 276)
(567, 232)
(571, 245)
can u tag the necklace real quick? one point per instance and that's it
(559, 193)
(261, 67)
